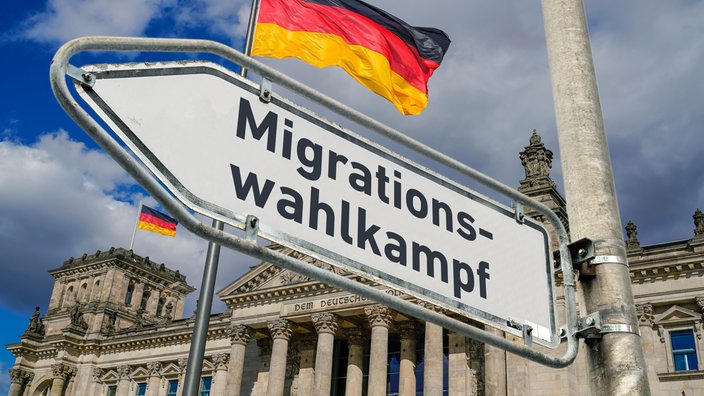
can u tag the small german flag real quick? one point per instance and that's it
(155, 221)
(382, 52)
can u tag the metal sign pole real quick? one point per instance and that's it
(205, 302)
(200, 329)
(616, 362)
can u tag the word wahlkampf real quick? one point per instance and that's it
(337, 220)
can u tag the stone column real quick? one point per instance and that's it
(123, 384)
(306, 371)
(494, 367)
(219, 383)
(239, 338)
(60, 372)
(154, 369)
(280, 330)
(379, 319)
(355, 360)
(459, 375)
(432, 361)
(407, 370)
(19, 378)
(325, 325)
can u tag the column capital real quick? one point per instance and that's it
(280, 328)
(239, 334)
(61, 371)
(123, 372)
(220, 361)
(154, 369)
(378, 315)
(324, 322)
(19, 376)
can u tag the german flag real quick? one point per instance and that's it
(382, 52)
(155, 221)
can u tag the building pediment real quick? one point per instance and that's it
(267, 277)
(677, 315)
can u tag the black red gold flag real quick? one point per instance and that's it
(382, 52)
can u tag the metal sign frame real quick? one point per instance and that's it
(61, 68)
(458, 247)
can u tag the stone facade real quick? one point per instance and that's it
(114, 326)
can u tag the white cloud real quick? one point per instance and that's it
(67, 200)
(64, 20)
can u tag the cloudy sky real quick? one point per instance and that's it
(60, 196)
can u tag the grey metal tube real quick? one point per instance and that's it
(204, 306)
(616, 360)
(144, 178)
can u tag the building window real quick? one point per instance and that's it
(112, 390)
(145, 300)
(684, 351)
(130, 291)
(172, 388)
(142, 389)
(160, 307)
(205, 384)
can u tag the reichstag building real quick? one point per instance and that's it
(115, 327)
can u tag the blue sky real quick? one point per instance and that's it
(60, 196)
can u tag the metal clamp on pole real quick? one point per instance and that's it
(520, 215)
(591, 326)
(251, 227)
(265, 90)
(582, 253)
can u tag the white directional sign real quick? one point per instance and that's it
(321, 189)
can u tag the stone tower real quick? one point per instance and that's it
(537, 163)
(111, 291)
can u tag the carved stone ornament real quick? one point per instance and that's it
(239, 334)
(280, 328)
(20, 376)
(154, 369)
(220, 361)
(123, 372)
(632, 235)
(645, 314)
(698, 224)
(324, 322)
(98, 374)
(378, 315)
(182, 364)
(700, 303)
(62, 371)
(537, 162)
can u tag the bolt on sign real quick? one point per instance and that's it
(323, 190)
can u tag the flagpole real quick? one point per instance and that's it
(251, 28)
(136, 223)
(204, 305)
